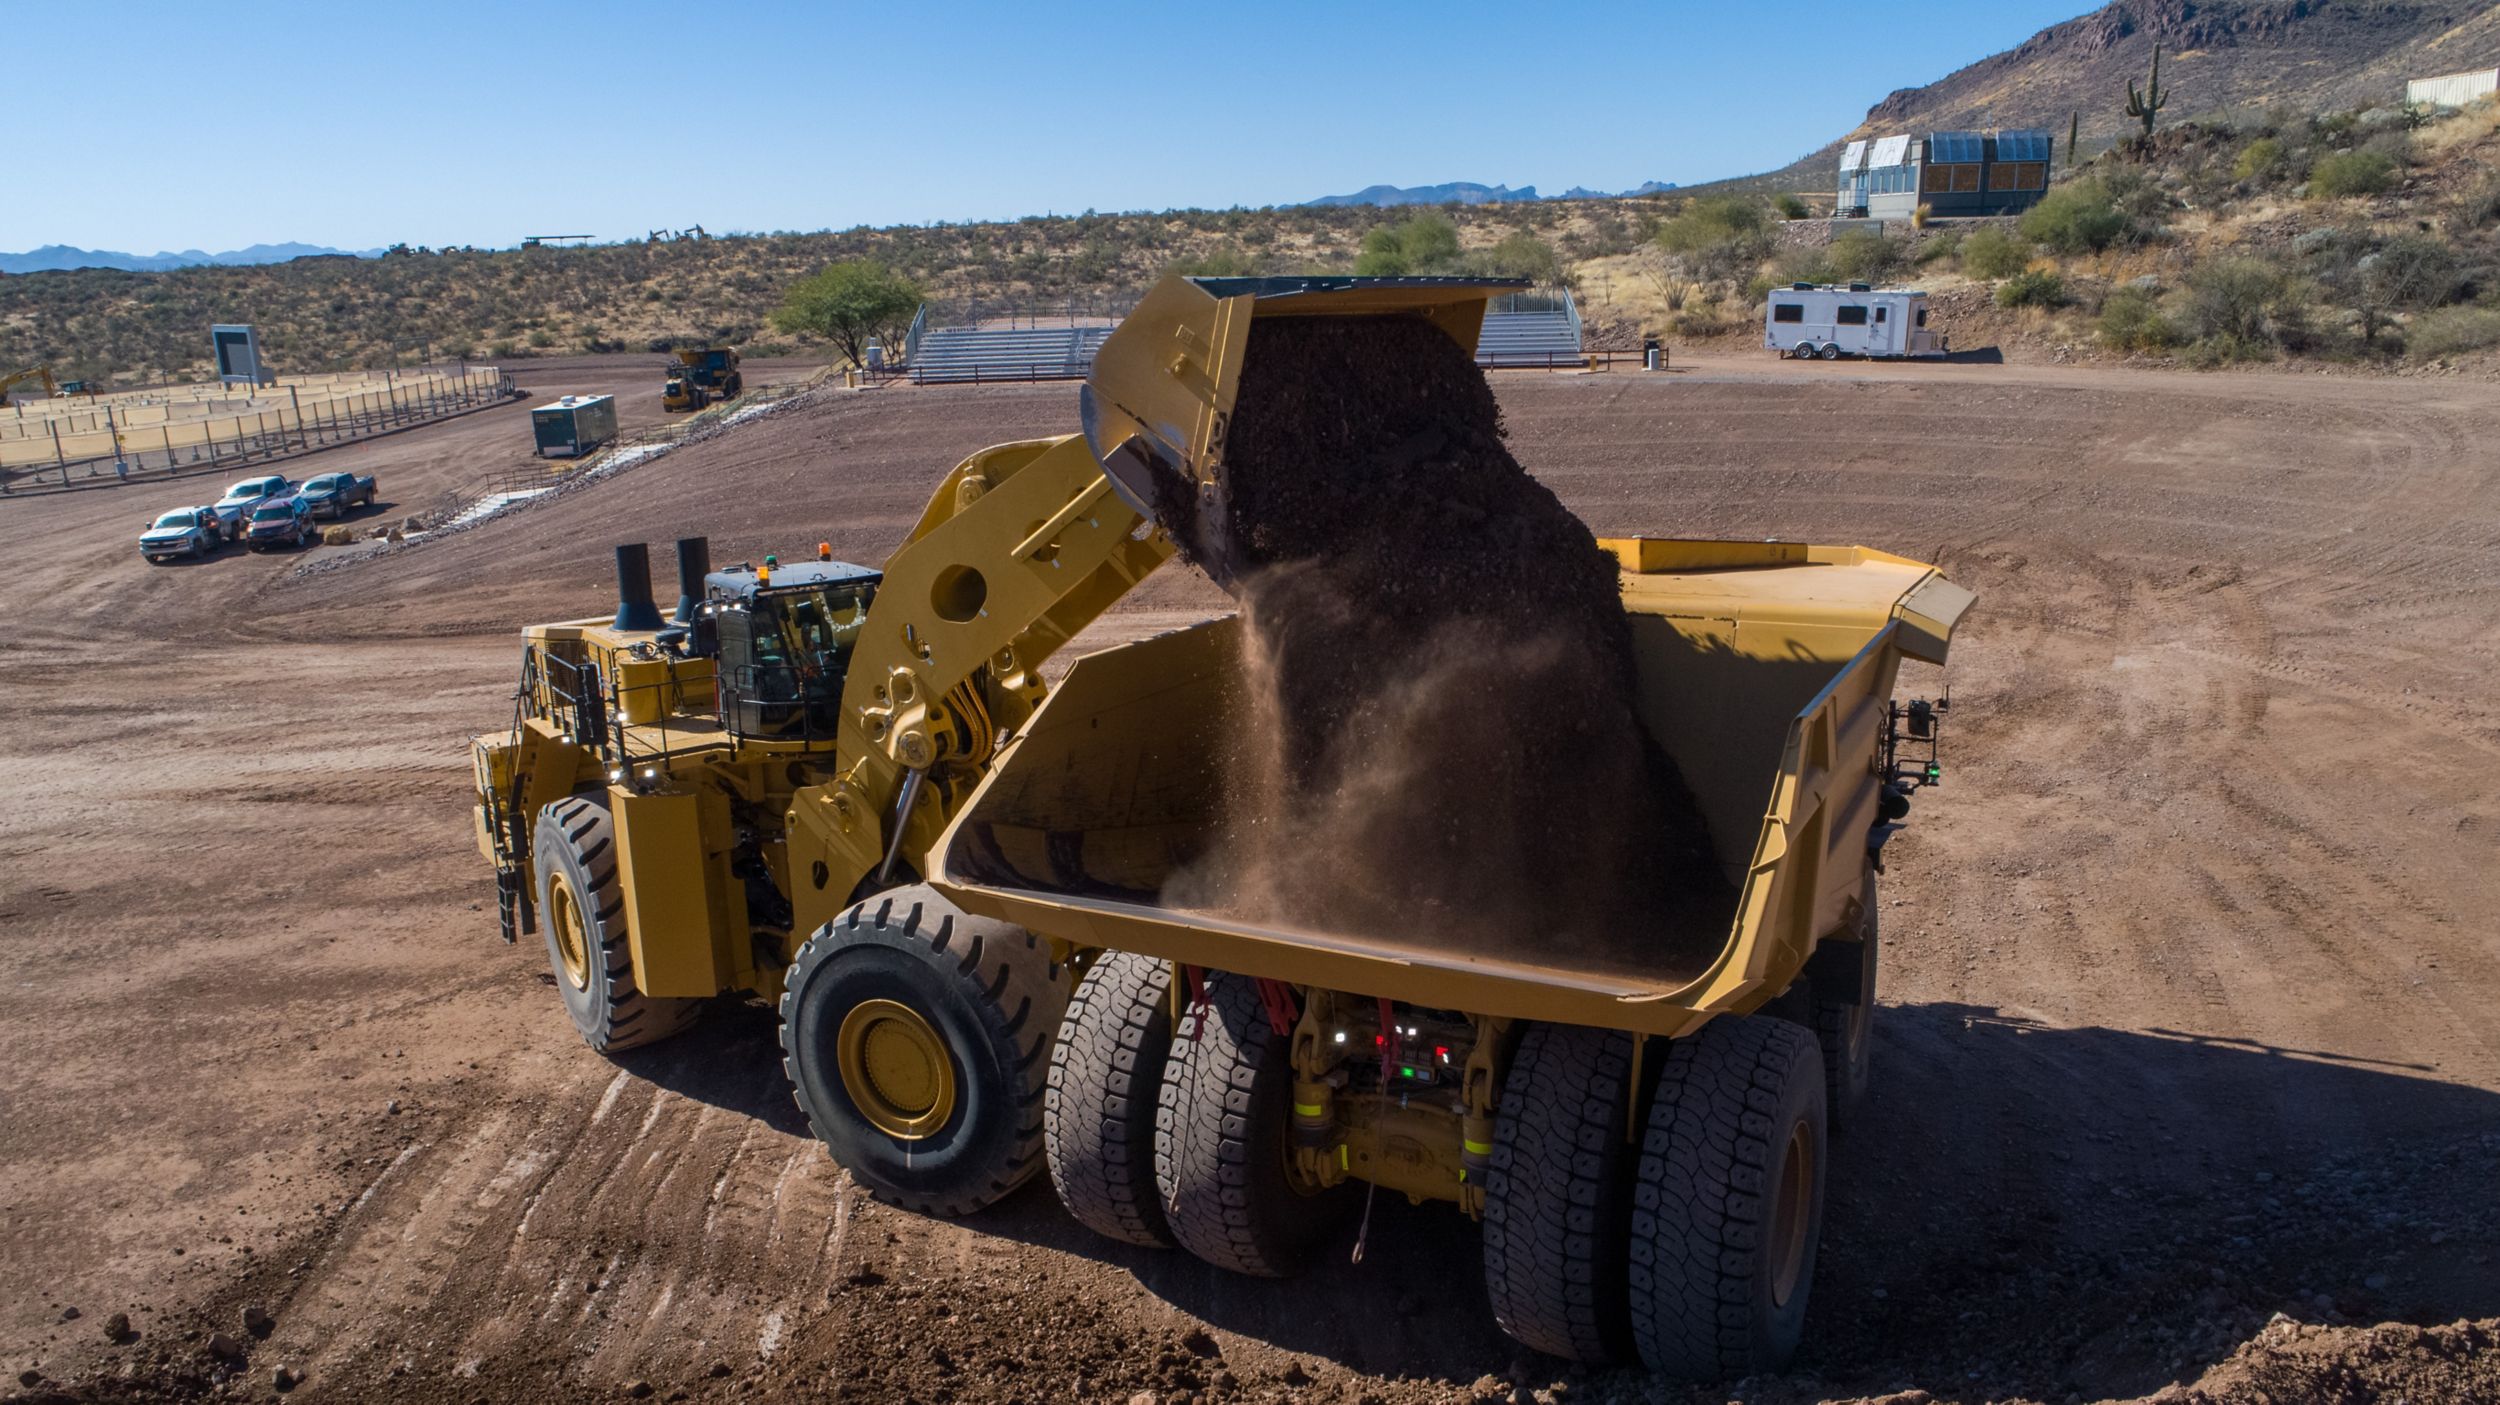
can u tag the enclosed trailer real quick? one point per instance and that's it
(1807, 319)
(573, 426)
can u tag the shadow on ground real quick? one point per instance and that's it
(2017, 1209)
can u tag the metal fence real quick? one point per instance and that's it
(69, 454)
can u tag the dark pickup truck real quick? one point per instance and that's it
(332, 494)
(279, 522)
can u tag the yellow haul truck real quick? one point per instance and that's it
(720, 803)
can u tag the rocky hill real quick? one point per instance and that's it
(2221, 59)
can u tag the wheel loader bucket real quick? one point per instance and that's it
(1160, 397)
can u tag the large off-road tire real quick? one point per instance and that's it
(1727, 1203)
(1842, 980)
(581, 910)
(917, 1038)
(1106, 1076)
(1558, 1197)
(1222, 1163)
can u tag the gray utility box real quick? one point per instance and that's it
(573, 426)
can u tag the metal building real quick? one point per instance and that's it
(1951, 173)
(2452, 89)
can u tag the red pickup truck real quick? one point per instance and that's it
(283, 521)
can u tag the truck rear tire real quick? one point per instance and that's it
(1106, 1076)
(1557, 1200)
(1727, 1204)
(581, 909)
(1222, 1163)
(917, 1038)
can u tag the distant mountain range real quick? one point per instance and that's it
(58, 256)
(1471, 193)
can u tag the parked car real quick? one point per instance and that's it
(185, 531)
(332, 494)
(285, 521)
(235, 508)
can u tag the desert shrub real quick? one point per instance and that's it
(2452, 330)
(2131, 320)
(2258, 160)
(1711, 222)
(2409, 271)
(1937, 249)
(1863, 256)
(1222, 261)
(2077, 217)
(541, 338)
(1522, 255)
(1717, 237)
(2035, 288)
(1803, 266)
(1424, 242)
(1789, 207)
(338, 534)
(1990, 252)
(2478, 206)
(2206, 353)
(2235, 304)
(2352, 173)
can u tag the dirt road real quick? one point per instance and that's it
(2187, 984)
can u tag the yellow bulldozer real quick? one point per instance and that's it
(847, 791)
(700, 377)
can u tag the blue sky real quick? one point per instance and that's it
(168, 126)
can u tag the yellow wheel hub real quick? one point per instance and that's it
(895, 1067)
(1792, 1216)
(564, 919)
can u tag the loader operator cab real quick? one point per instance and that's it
(781, 640)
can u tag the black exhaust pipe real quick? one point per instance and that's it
(634, 607)
(694, 562)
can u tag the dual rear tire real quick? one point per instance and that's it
(1692, 1251)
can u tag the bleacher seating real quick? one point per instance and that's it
(1548, 338)
(1006, 354)
(1545, 331)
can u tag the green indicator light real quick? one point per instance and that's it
(1409, 1072)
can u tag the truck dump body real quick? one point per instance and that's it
(1764, 670)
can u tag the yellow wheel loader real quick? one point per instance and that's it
(844, 790)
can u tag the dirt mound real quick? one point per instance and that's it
(1438, 714)
(2298, 1361)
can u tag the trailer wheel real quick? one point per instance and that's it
(1098, 1116)
(1805, 351)
(916, 1038)
(1221, 1158)
(1831, 351)
(1842, 978)
(1727, 1203)
(1558, 1199)
(582, 910)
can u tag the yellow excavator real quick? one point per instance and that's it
(14, 379)
(846, 790)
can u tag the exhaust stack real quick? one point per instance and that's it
(634, 607)
(694, 562)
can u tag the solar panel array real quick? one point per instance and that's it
(1944, 148)
(1890, 151)
(2029, 144)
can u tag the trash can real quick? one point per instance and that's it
(1650, 353)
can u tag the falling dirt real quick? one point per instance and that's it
(1437, 677)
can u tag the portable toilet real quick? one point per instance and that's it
(573, 426)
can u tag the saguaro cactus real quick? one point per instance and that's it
(2141, 106)
(2074, 128)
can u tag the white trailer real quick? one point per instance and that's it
(1807, 319)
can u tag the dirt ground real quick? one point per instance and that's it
(2187, 1077)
